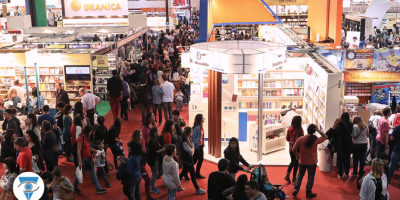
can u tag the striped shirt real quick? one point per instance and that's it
(89, 100)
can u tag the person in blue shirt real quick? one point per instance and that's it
(363, 43)
(133, 169)
(35, 100)
(48, 117)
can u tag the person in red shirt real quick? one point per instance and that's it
(307, 158)
(294, 132)
(24, 159)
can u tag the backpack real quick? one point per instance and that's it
(75, 147)
(371, 127)
(396, 120)
(122, 176)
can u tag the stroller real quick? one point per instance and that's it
(257, 175)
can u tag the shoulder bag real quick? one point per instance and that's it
(294, 139)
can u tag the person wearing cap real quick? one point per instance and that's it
(219, 181)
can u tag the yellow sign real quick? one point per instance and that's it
(76, 5)
(370, 76)
(56, 46)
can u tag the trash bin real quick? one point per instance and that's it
(324, 157)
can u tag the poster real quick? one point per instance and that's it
(359, 59)
(380, 92)
(205, 91)
(387, 60)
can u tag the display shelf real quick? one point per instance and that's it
(277, 131)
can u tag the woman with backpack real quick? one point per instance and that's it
(360, 142)
(343, 145)
(294, 132)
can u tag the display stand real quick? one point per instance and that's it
(274, 139)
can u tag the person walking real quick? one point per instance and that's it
(114, 92)
(158, 94)
(395, 158)
(24, 159)
(154, 157)
(232, 153)
(343, 145)
(61, 94)
(307, 145)
(89, 101)
(375, 184)
(219, 181)
(133, 170)
(67, 123)
(383, 131)
(145, 96)
(168, 97)
(198, 142)
(186, 153)
(360, 142)
(373, 132)
(294, 132)
(126, 93)
(85, 160)
(171, 172)
(50, 151)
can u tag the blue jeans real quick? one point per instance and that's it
(92, 172)
(311, 174)
(343, 161)
(172, 194)
(372, 146)
(394, 160)
(359, 156)
(135, 190)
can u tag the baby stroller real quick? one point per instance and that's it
(257, 175)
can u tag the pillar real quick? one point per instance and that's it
(203, 26)
(214, 112)
(40, 13)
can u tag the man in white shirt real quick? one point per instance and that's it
(168, 98)
(354, 44)
(289, 116)
(21, 92)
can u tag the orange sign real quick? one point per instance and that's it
(370, 76)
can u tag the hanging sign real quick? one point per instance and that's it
(55, 46)
(359, 59)
(370, 76)
(90, 8)
(79, 46)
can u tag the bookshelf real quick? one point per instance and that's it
(102, 74)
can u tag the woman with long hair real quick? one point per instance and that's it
(154, 154)
(237, 191)
(7, 180)
(232, 153)
(67, 122)
(198, 142)
(331, 137)
(32, 124)
(7, 147)
(61, 185)
(85, 159)
(360, 144)
(133, 170)
(186, 154)
(34, 144)
(76, 128)
(375, 185)
(343, 145)
(168, 135)
(293, 133)
(78, 111)
(149, 122)
(113, 140)
(137, 137)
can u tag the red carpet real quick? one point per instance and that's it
(327, 185)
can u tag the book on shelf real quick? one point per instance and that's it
(292, 92)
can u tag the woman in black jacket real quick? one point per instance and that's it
(343, 145)
(154, 157)
(232, 153)
(7, 147)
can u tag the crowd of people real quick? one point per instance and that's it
(380, 38)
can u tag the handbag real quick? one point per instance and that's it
(7, 195)
(64, 195)
(89, 163)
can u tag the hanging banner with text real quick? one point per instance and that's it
(370, 76)
(359, 59)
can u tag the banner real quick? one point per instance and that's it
(359, 59)
(370, 76)
(79, 46)
(380, 92)
(387, 60)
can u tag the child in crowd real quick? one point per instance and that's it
(268, 186)
(101, 162)
(171, 172)
(179, 99)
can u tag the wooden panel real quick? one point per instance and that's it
(214, 113)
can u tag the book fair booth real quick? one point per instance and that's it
(246, 85)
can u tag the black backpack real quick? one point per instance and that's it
(371, 127)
